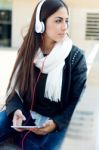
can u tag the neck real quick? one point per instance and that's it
(47, 45)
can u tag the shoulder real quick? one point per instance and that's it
(76, 59)
(76, 51)
(77, 55)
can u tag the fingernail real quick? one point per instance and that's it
(24, 118)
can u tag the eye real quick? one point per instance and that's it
(66, 21)
(58, 21)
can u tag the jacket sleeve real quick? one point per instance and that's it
(78, 79)
(13, 104)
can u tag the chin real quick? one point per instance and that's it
(60, 39)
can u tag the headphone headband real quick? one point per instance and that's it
(39, 25)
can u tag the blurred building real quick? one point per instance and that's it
(5, 22)
(15, 17)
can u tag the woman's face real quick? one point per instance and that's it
(56, 25)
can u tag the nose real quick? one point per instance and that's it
(64, 26)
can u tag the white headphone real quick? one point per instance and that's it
(39, 25)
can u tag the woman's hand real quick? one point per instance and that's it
(18, 118)
(48, 127)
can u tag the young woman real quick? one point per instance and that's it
(46, 83)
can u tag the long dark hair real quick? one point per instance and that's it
(25, 76)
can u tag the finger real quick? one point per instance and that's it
(17, 122)
(38, 132)
(41, 131)
(18, 118)
(14, 120)
(19, 130)
(20, 115)
(23, 117)
(46, 124)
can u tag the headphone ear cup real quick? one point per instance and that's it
(40, 27)
(43, 27)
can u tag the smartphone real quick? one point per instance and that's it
(25, 127)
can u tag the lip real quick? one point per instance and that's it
(62, 34)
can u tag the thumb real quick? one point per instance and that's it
(20, 114)
(22, 117)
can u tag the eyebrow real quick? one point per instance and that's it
(61, 18)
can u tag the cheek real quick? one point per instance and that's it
(52, 30)
(52, 27)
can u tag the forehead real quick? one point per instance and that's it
(61, 12)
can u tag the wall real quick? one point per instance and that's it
(78, 10)
(91, 4)
(21, 16)
(78, 27)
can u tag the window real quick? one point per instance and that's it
(92, 26)
(5, 22)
